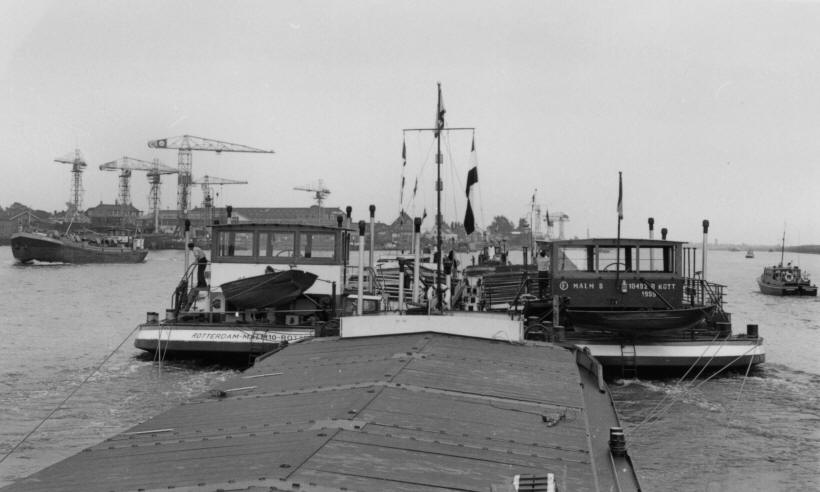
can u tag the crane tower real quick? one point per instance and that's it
(77, 166)
(207, 183)
(186, 144)
(154, 170)
(319, 191)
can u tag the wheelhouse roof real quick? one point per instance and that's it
(245, 226)
(595, 241)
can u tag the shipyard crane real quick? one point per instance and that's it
(154, 170)
(560, 217)
(207, 183)
(319, 191)
(186, 144)
(77, 165)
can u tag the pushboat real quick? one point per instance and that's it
(244, 313)
(638, 304)
(77, 248)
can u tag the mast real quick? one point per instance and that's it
(439, 126)
(782, 246)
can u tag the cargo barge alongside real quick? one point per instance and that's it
(423, 410)
(77, 248)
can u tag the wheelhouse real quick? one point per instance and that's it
(608, 272)
(246, 249)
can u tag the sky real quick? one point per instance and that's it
(710, 109)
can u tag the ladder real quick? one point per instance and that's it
(629, 361)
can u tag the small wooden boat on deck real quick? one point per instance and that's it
(639, 322)
(267, 290)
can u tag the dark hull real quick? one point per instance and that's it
(638, 323)
(267, 290)
(783, 289)
(28, 247)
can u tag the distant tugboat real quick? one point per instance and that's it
(779, 280)
(750, 254)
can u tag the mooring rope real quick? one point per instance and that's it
(691, 388)
(680, 380)
(745, 377)
(68, 397)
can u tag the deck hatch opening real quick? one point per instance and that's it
(534, 483)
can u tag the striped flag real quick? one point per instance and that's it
(472, 178)
(620, 197)
(440, 113)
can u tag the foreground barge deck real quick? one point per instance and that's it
(418, 411)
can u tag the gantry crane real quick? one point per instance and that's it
(319, 191)
(77, 165)
(186, 144)
(154, 169)
(208, 196)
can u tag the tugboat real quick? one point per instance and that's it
(789, 280)
(750, 253)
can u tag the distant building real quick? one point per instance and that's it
(106, 215)
(20, 217)
(202, 217)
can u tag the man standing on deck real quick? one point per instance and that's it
(543, 263)
(201, 260)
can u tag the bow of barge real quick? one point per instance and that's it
(414, 411)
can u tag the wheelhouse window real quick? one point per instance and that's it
(574, 258)
(281, 244)
(611, 259)
(317, 245)
(656, 259)
(278, 246)
(240, 244)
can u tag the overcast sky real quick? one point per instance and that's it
(710, 108)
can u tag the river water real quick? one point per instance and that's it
(730, 433)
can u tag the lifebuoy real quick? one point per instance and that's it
(788, 277)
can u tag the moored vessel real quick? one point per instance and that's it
(269, 284)
(639, 304)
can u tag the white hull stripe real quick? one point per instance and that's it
(221, 336)
(705, 350)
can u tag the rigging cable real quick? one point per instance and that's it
(58, 407)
